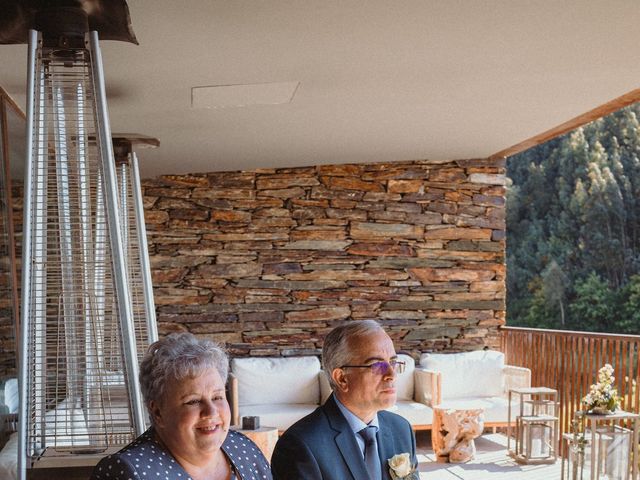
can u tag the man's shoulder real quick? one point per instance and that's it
(393, 420)
(314, 422)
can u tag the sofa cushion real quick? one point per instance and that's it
(278, 415)
(468, 374)
(265, 380)
(9, 459)
(9, 396)
(404, 381)
(496, 409)
(66, 426)
(417, 414)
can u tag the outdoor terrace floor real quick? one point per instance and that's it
(491, 463)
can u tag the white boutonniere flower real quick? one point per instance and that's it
(400, 467)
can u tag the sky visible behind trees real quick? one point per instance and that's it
(573, 229)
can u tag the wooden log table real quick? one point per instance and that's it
(264, 437)
(454, 431)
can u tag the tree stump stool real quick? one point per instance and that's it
(454, 431)
(264, 437)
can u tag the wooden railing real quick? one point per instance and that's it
(569, 362)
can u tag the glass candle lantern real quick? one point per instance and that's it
(536, 425)
(576, 463)
(614, 445)
(537, 438)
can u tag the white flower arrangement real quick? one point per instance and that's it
(400, 467)
(602, 397)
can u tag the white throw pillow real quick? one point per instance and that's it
(404, 381)
(271, 380)
(9, 395)
(65, 425)
(468, 374)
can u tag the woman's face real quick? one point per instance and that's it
(192, 419)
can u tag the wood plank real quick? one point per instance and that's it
(598, 112)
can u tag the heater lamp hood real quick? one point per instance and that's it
(110, 18)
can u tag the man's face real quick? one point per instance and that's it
(360, 389)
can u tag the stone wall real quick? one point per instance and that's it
(268, 261)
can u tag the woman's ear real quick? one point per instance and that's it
(155, 412)
(340, 379)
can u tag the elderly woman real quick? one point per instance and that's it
(183, 384)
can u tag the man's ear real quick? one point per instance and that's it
(340, 379)
(155, 412)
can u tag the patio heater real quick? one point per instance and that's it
(134, 236)
(78, 355)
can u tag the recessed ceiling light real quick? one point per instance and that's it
(225, 96)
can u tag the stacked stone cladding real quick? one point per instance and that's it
(268, 261)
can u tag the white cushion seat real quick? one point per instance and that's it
(495, 408)
(416, 413)
(9, 459)
(278, 414)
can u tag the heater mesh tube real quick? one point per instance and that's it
(77, 363)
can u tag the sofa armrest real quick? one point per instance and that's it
(233, 399)
(516, 377)
(325, 386)
(427, 387)
(8, 425)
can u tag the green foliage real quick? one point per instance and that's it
(573, 229)
(594, 306)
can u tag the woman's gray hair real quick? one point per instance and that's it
(178, 356)
(337, 348)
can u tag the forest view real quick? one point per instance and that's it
(573, 229)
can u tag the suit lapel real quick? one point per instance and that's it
(346, 441)
(386, 446)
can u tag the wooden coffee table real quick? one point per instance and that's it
(454, 431)
(264, 437)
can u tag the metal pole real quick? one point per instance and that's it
(145, 267)
(115, 234)
(26, 259)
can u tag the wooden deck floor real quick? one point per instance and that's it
(491, 463)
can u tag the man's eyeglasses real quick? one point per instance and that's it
(380, 368)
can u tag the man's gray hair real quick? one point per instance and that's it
(337, 348)
(176, 357)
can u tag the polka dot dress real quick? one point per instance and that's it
(146, 459)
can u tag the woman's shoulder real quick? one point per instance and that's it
(144, 454)
(248, 460)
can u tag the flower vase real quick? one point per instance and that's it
(601, 411)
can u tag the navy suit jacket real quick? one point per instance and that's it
(322, 446)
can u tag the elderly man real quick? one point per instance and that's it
(351, 437)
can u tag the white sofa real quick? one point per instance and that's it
(282, 390)
(411, 391)
(479, 377)
(8, 425)
(279, 390)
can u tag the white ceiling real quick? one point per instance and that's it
(379, 80)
